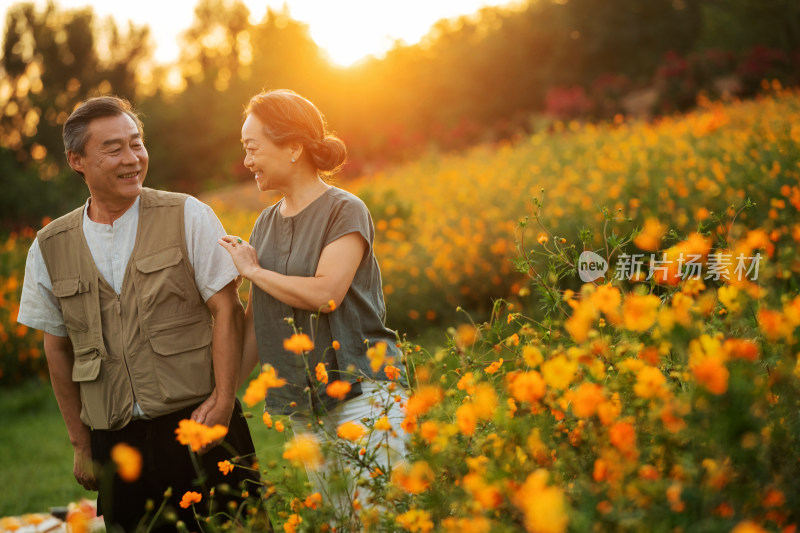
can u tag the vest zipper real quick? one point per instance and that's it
(119, 305)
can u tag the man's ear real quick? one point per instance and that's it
(75, 161)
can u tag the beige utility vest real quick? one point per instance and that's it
(152, 342)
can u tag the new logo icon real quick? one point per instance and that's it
(591, 266)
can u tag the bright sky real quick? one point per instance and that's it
(347, 29)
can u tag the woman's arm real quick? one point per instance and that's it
(335, 272)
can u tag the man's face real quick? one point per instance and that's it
(114, 163)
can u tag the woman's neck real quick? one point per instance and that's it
(302, 194)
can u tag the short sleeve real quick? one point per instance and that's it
(350, 215)
(38, 307)
(213, 266)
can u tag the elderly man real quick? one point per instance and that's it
(141, 320)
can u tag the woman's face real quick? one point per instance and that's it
(271, 164)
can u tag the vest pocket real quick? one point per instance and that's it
(161, 280)
(86, 366)
(185, 368)
(73, 308)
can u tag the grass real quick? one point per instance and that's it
(36, 456)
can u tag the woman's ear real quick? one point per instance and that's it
(295, 150)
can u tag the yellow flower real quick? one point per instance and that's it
(559, 372)
(225, 467)
(544, 508)
(382, 424)
(484, 401)
(322, 374)
(748, 527)
(465, 336)
(376, 355)
(303, 449)
(298, 343)
(279, 426)
(197, 435)
(190, 498)
(532, 355)
(267, 418)
(351, 431)
(128, 460)
(415, 520)
(650, 383)
(640, 312)
(338, 389)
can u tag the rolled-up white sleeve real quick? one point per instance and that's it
(38, 307)
(213, 266)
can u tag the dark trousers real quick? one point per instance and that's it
(168, 464)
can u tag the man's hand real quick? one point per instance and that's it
(83, 469)
(212, 412)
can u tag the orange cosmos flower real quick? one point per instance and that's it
(225, 467)
(351, 431)
(494, 367)
(290, 526)
(423, 400)
(414, 479)
(267, 418)
(607, 298)
(335, 345)
(338, 389)
(532, 355)
(298, 343)
(650, 237)
(429, 431)
(303, 449)
(712, 374)
(392, 372)
(748, 527)
(331, 305)
(279, 427)
(258, 387)
(623, 436)
(197, 435)
(128, 460)
(466, 419)
(650, 383)
(527, 386)
(586, 399)
(583, 316)
(322, 374)
(313, 501)
(190, 498)
(466, 335)
(415, 520)
(544, 507)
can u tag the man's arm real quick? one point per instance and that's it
(58, 351)
(249, 344)
(226, 350)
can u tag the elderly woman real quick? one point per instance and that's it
(311, 265)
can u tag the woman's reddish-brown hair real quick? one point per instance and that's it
(288, 117)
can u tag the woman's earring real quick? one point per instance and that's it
(293, 160)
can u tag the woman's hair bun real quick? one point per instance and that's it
(329, 154)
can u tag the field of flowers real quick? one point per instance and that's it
(658, 398)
